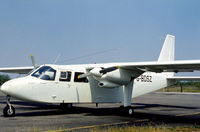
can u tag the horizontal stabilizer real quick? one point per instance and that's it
(184, 78)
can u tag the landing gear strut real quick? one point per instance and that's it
(9, 110)
(127, 109)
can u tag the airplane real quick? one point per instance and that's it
(96, 83)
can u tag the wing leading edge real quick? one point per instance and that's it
(19, 70)
(169, 66)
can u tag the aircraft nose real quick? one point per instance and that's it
(5, 88)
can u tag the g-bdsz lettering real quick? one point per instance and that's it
(144, 78)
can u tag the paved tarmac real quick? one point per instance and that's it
(155, 108)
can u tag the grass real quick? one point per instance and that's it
(148, 128)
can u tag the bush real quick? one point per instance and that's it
(3, 78)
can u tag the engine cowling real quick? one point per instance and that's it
(118, 76)
(106, 84)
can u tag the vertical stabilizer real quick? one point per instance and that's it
(168, 49)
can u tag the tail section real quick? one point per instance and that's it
(167, 52)
(168, 49)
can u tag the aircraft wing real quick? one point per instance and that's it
(20, 70)
(158, 67)
(136, 69)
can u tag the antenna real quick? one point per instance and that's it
(88, 55)
(57, 58)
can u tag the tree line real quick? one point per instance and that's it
(190, 83)
(3, 78)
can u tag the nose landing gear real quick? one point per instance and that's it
(9, 110)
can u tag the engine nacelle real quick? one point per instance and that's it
(113, 78)
(106, 84)
(118, 76)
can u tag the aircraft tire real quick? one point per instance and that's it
(129, 111)
(66, 106)
(7, 112)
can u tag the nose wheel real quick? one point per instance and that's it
(9, 110)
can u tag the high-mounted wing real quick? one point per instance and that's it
(122, 73)
(157, 67)
(20, 70)
(169, 66)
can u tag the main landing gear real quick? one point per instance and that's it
(129, 111)
(9, 110)
(66, 106)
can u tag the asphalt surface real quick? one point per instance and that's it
(154, 108)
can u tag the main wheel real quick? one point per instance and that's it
(66, 106)
(9, 111)
(127, 110)
(130, 111)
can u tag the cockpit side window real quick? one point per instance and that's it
(65, 76)
(45, 73)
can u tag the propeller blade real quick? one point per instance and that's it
(109, 69)
(33, 61)
(83, 75)
(99, 71)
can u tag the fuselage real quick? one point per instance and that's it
(61, 84)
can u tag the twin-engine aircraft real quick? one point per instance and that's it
(96, 83)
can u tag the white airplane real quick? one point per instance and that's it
(96, 83)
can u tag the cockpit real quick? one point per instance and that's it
(44, 73)
(48, 73)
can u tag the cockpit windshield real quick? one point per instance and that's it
(33, 70)
(45, 73)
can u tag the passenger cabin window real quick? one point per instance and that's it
(65, 76)
(76, 79)
(45, 73)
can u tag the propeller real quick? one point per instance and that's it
(98, 72)
(33, 61)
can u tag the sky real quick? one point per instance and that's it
(101, 31)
